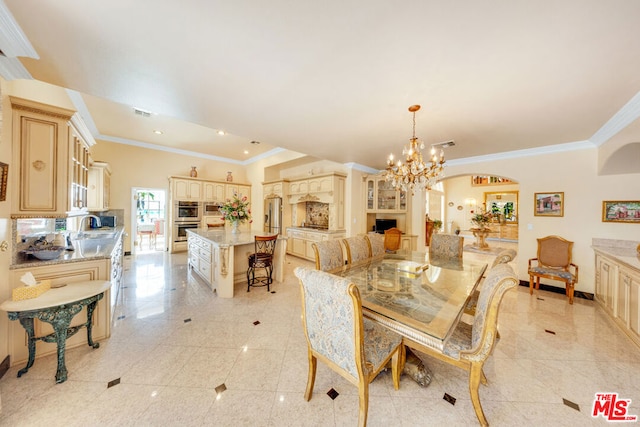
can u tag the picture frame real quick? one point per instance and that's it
(621, 211)
(548, 204)
(4, 174)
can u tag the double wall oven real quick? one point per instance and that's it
(186, 215)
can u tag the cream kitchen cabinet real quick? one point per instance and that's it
(201, 258)
(213, 191)
(186, 189)
(99, 187)
(238, 189)
(50, 159)
(382, 197)
(618, 288)
(301, 240)
(275, 189)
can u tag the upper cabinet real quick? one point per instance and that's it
(187, 189)
(99, 187)
(382, 197)
(322, 188)
(275, 189)
(238, 190)
(51, 155)
(202, 190)
(213, 191)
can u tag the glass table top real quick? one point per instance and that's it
(413, 293)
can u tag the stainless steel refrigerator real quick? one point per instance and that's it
(273, 215)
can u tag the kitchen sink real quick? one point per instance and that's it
(107, 234)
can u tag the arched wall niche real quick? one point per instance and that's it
(625, 159)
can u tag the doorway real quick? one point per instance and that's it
(148, 220)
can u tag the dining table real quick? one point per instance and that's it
(420, 298)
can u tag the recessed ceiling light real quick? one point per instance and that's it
(246, 151)
(157, 132)
(221, 132)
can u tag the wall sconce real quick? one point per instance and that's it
(470, 202)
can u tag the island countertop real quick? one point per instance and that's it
(225, 239)
(83, 250)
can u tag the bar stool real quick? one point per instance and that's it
(261, 258)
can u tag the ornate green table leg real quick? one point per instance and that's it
(90, 308)
(27, 324)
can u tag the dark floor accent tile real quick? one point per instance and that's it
(540, 299)
(273, 292)
(121, 317)
(187, 320)
(449, 398)
(333, 394)
(549, 332)
(570, 404)
(113, 382)
(256, 323)
(173, 289)
(220, 388)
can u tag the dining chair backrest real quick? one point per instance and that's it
(376, 240)
(332, 316)
(265, 245)
(358, 248)
(328, 254)
(554, 251)
(499, 280)
(504, 256)
(392, 239)
(446, 246)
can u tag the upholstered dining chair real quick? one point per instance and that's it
(358, 248)
(446, 246)
(503, 257)
(376, 241)
(339, 336)
(554, 262)
(471, 344)
(262, 258)
(328, 254)
(392, 239)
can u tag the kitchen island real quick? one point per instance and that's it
(220, 257)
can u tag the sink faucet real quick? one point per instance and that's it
(82, 221)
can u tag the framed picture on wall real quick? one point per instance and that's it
(621, 211)
(549, 204)
(4, 173)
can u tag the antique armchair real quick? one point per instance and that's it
(358, 248)
(392, 239)
(554, 262)
(338, 335)
(503, 257)
(261, 258)
(328, 254)
(470, 345)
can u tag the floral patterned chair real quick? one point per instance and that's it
(338, 335)
(376, 241)
(470, 345)
(446, 246)
(358, 248)
(554, 262)
(329, 254)
(503, 257)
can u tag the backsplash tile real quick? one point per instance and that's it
(317, 214)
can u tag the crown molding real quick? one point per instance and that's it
(13, 41)
(12, 69)
(625, 116)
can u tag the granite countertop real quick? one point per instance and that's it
(624, 251)
(224, 238)
(83, 250)
(317, 230)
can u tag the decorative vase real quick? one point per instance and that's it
(229, 177)
(234, 227)
(194, 172)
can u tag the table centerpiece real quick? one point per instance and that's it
(236, 211)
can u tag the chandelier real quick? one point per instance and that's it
(414, 173)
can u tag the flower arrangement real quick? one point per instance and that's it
(482, 219)
(236, 210)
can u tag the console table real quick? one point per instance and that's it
(57, 307)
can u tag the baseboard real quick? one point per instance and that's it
(5, 365)
(557, 290)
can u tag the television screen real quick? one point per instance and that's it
(385, 224)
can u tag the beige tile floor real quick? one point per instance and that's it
(174, 341)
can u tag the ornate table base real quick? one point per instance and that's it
(480, 235)
(59, 317)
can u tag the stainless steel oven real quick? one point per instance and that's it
(211, 209)
(187, 211)
(180, 230)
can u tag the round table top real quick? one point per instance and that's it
(54, 297)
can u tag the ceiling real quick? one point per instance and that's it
(334, 79)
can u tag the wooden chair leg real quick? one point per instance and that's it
(570, 292)
(311, 379)
(397, 365)
(363, 398)
(475, 373)
(530, 285)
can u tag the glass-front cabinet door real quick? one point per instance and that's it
(370, 194)
(387, 196)
(382, 197)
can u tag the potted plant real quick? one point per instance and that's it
(236, 211)
(481, 220)
(437, 224)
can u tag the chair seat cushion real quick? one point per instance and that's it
(379, 342)
(260, 260)
(458, 341)
(552, 272)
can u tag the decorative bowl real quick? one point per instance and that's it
(48, 253)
